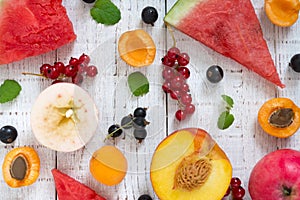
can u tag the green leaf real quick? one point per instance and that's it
(225, 120)
(228, 100)
(138, 83)
(9, 90)
(105, 12)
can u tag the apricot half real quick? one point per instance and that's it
(282, 12)
(137, 48)
(188, 164)
(279, 117)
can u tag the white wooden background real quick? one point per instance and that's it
(244, 142)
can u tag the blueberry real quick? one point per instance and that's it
(295, 63)
(8, 134)
(126, 122)
(145, 197)
(89, 1)
(214, 74)
(115, 130)
(149, 15)
(140, 112)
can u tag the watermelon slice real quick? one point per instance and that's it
(229, 27)
(32, 27)
(70, 189)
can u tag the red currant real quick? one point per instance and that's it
(166, 87)
(238, 192)
(71, 70)
(168, 73)
(84, 59)
(227, 192)
(177, 82)
(190, 108)
(173, 53)
(180, 115)
(56, 81)
(91, 71)
(183, 59)
(184, 71)
(235, 182)
(175, 94)
(167, 61)
(186, 99)
(44, 68)
(185, 87)
(78, 79)
(52, 73)
(60, 67)
(73, 61)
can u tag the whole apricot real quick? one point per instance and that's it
(108, 165)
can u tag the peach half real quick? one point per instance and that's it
(189, 164)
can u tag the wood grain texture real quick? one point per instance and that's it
(245, 142)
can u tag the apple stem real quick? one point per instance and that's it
(172, 34)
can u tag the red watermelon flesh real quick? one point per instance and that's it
(32, 27)
(69, 189)
(229, 27)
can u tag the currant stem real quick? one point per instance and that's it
(172, 34)
(33, 74)
(112, 133)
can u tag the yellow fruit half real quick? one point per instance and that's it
(137, 48)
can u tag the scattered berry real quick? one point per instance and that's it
(84, 59)
(237, 192)
(214, 74)
(60, 67)
(145, 197)
(295, 63)
(44, 68)
(140, 134)
(184, 71)
(91, 71)
(8, 134)
(140, 112)
(149, 15)
(235, 182)
(77, 79)
(190, 108)
(73, 61)
(71, 70)
(115, 130)
(167, 61)
(139, 122)
(52, 73)
(183, 59)
(173, 53)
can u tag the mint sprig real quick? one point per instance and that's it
(9, 90)
(226, 119)
(138, 83)
(105, 12)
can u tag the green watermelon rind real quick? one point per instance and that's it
(173, 17)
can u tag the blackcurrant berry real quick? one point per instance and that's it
(89, 1)
(149, 15)
(126, 122)
(140, 134)
(140, 112)
(139, 122)
(145, 197)
(115, 130)
(295, 63)
(214, 74)
(8, 134)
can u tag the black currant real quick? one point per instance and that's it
(115, 130)
(126, 122)
(145, 197)
(149, 15)
(140, 112)
(140, 134)
(89, 1)
(139, 122)
(8, 134)
(295, 63)
(214, 74)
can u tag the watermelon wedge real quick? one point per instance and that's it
(229, 27)
(69, 189)
(32, 27)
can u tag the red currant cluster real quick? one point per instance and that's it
(237, 191)
(175, 74)
(75, 69)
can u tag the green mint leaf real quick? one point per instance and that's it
(9, 90)
(225, 120)
(105, 12)
(228, 100)
(138, 83)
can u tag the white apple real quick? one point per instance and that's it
(64, 117)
